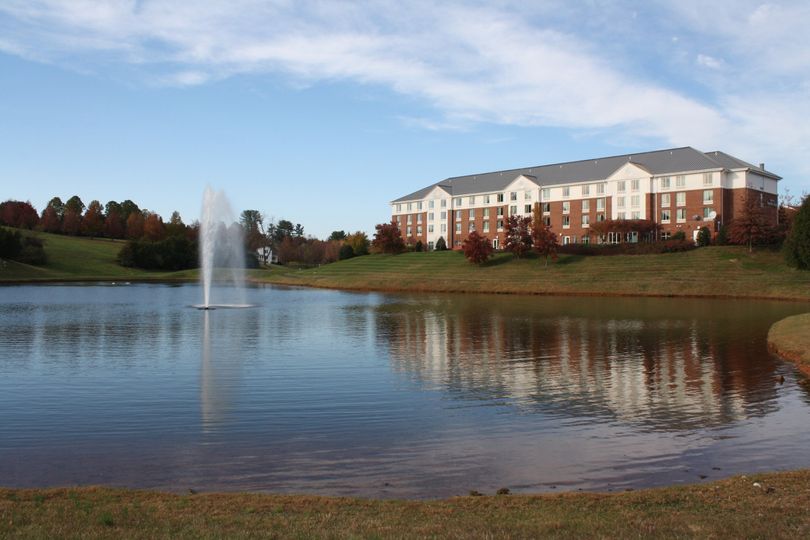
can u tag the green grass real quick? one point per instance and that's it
(714, 271)
(790, 338)
(732, 508)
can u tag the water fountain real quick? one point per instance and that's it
(222, 249)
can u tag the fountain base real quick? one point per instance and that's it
(211, 307)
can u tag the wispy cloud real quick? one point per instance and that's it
(503, 63)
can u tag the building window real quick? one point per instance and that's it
(547, 221)
(513, 210)
(399, 208)
(600, 189)
(666, 200)
(500, 224)
(600, 217)
(513, 196)
(410, 219)
(708, 196)
(430, 216)
(586, 220)
(546, 207)
(410, 206)
(458, 215)
(666, 183)
(566, 222)
(500, 211)
(486, 226)
(486, 213)
(586, 239)
(680, 198)
(418, 219)
(527, 195)
(430, 204)
(635, 215)
(621, 186)
(566, 240)
(399, 220)
(444, 215)
(619, 202)
(458, 228)
(707, 212)
(634, 201)
(566, 191)
(472, 213)
(419, 205)
(444, 203)
(635, 184)
(408, 231)
(444, 227)
(430, 228)
(500, 197)
(681, 215)
(586, 190)
(586, 205)
(527, 209)
(494, 243)
(680, 181)
(707, 179)
(545, 194)
(472, 199)
(665, 215)
(419, 231)
(600, 203)
(620, 215)
(566, 207)
(486, 199)
(457, 201)
(471, 227)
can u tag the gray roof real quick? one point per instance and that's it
(669, 161)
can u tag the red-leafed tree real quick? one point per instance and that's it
(545, 242)
(114, 225)
(388, 238)
(477, 248)
(71, 223)
(93, 220)
(153, 228)
(135, 225)
(752, 226)
(18, 214)
(518, 235)
(50, 221)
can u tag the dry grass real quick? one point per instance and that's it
(733, 508)
(790, 339)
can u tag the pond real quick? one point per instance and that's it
(383, 395)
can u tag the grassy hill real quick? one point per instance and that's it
(726, 271)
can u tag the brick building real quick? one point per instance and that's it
(682, 189)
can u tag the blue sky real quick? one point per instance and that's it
(322, 112)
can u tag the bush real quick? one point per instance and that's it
(24, 249)
(346, 252)
(651, 248)
(388, 239)
(173, 253)
(418, 246)
(441, 244)
(33, 252)
(10, 243)
(797, 244)
(477, 248)
(722, 236)
(704, 237)
(680, 235)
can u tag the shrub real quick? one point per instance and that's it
(722, 236)
(173, 253)
(646, 248)
(704, 237)
(680, 235)
(10, 243)
(797, 244)
(477, 248)
(441, 244)
(419, 246)
(33, 252)
(24, 249)
(346, 252)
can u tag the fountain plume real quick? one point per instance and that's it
(221, 249)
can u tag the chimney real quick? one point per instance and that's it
(762, 166)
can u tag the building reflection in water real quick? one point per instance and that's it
(665, 365)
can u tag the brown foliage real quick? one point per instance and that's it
(135, 223)
(388, 239)
(518, 235)
(153, 228)
(18, 214)
(545, 242)
(71, 223)
(114, 225)
(359, 243)
(477, 248)
(50, 221)
(93, 220)
(752, 226)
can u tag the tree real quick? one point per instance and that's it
(545, 242)
(346, 252)
(518, 235)
(337, 235)
(58, 207)
(752, 226)
(441, 244)
(359, 243)
(75, 205)
(111, 207)
(18, 214)
(176, 227)
(93, 220)
(283, 229)
(50, 221)
(135, 223)
(797, 244)
(153, 227)
(299, 230)
(704, 237)
(477, 249)
(71, 223)
(128, 208)
(114, 225)
(388, 238)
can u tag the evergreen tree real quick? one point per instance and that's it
(797, 244)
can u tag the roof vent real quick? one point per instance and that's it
(762, 166)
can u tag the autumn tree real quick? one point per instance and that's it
(111, 207)
(71, 223)
(544, 240)
(58, 207)
(518, 235)
(153, 227)
(135, 223)
(93, 219)
(358, 242)
(18, 214)
(75, 205)
(128, 208)
(752, 226)
(797, 243)
(388, 238)
(477, 249)
(114, 225)
(50, 221)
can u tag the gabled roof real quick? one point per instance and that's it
(659, 162)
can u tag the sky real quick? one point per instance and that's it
(322, 112)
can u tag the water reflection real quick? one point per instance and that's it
(669, 366)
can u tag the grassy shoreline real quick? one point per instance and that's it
(790, 339)
(772, 505)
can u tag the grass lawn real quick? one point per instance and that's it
(726, 271)
(775, 507)
(790, 338)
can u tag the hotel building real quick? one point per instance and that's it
(682, 189)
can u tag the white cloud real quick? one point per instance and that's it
(503, 63)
